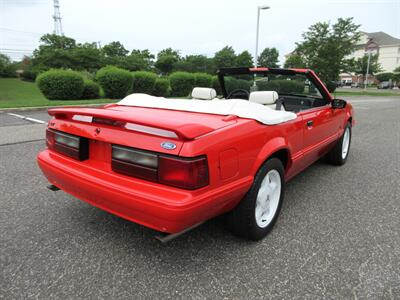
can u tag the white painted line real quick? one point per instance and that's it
(27, 118)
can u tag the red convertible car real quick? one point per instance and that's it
(171, 164)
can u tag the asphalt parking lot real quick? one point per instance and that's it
(338, 235)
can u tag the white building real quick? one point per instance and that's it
(386, 46)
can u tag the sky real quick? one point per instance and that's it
(193, 27)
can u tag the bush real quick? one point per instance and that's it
(29, 75)
(232, 83)
(216, 86)
(281, 86)
(57, 84)
(143, 82)
(161, 87)
(203, 80)
(91, 90)
(115, 82)
(182, 83)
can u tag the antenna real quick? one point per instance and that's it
(57, 19)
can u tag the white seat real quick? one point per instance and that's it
(201, 93)
(266, 98)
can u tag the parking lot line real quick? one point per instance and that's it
(27, 118)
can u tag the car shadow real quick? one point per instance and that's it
(211, 234)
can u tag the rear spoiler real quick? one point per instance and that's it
(132, 120)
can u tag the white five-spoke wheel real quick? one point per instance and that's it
(346, 142)
(268, 198)
(258, 211)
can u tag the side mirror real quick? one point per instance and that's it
(338, 103)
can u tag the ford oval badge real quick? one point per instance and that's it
(168, 146)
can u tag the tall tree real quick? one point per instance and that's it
(196, 63)
(244, 59)
(139, 60)
(115, 49)
(87, 57)
(167, 60)
(269, 57)
(169, 52)
(53, 41)
(325, 47)
(225, 57)
(294, 61)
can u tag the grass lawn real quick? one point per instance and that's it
(368, 92)
(17, 93)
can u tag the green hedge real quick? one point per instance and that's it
(91, 90)
(161, 87)
(203, 80)
(182, 83)
(281, 86)
(215, 85)
(61, 84)
(115, 82)
(143, 82)
(232, 83)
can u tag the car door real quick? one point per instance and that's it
(319, 131)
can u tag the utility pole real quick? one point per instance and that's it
(366, 75)
(57, 19)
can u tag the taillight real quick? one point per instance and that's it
(191, 173)
(76, 147)
(186, 173)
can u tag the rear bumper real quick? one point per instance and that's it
(162, 208)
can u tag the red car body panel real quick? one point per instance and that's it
(235, 149)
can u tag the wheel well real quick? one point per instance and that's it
(283, 156)
(350, 120)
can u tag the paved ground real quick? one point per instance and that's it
(337, 237)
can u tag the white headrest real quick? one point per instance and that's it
(203, 93)
(263, 97)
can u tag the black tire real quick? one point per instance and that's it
(335, 157)
(242, 220)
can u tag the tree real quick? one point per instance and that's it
(326, 47)
(7, 68)
(166, 64)
(294, 61)
(54, 52)
(225, 58)
(114, 49)
(397, 70)
(196, 63)
(169, 52)
(269, 57)
(385, 76)
(139, 60)
(359, 66)
(167, 60)
(244, 59)
(54, 41)
(87, 57)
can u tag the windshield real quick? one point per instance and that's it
(297, 84)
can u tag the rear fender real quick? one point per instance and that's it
(272, 146)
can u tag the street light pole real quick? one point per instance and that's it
(259, 8)
(366, 75)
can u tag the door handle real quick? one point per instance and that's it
(310, 123)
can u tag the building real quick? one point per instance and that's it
(386, 46)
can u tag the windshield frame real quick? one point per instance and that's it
(309, 74)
